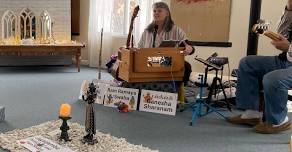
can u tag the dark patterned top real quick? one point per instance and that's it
(284, 28)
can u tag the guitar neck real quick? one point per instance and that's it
(129, 35)
(272, 35)
(136, 9)
(262, 28)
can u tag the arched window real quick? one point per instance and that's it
(45, 26)
(27, 24)
(9, 25)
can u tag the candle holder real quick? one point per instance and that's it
(64, 129)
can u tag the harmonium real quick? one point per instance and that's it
(151, 64)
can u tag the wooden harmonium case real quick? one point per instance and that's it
(151, 64)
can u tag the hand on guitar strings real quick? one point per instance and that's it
(282, 44)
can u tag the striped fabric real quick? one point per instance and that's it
(285, 28)
(175, 33)
(2, 114)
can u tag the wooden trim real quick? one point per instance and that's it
(211, 44)
(75, 17)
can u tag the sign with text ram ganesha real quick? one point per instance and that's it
(118, 95)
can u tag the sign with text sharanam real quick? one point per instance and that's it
(116, 95)
(158, 102)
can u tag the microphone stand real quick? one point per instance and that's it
(100, 53)
(154, 35)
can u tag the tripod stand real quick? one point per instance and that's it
(197, 108)
(213, 88)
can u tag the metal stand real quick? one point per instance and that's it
(201, 103)
(213, 88)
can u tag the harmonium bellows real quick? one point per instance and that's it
(151, 64)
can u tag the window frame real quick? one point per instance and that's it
(9, 17)
(126, 20)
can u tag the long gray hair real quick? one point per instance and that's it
(168, 23)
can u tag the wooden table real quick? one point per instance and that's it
(43, 50)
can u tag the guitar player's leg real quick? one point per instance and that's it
(251, 70)
(276, 85)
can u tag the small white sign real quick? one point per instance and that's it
(83, 89)
(117, 95)
(158, 102)
(101, 87)
(41, 144)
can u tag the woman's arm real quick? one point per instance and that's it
(189, 49)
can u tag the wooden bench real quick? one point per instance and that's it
(43, 50)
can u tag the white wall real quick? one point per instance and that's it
(271, 10)
(237, 35)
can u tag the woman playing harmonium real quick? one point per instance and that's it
(163, 28)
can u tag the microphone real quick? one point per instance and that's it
(154, 35)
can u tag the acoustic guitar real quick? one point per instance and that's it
(263, 28)
(115, 67)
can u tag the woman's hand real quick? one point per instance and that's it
(188, 49)
(282, 44)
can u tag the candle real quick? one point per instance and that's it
(65, 110)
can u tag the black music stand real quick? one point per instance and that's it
(200, 102)
(216, 80)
